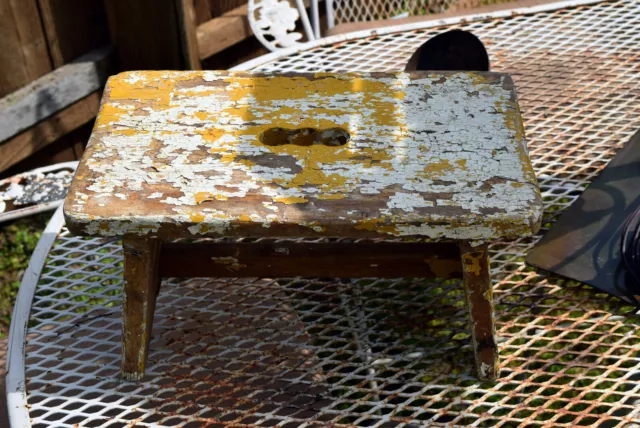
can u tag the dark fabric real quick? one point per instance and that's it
(584, 244)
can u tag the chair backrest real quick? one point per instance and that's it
(274, 21)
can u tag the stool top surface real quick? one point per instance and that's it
(439, 155)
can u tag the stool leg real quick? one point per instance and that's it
(142, 283)
(477, 284)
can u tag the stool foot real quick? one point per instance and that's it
(142, 283)
(479, 294)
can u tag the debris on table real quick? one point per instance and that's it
(35, 191)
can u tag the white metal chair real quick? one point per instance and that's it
(274, 21)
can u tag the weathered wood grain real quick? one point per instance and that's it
(23, 48)
(479, 294)
(187, 18)
(142, 282)
(146, 34)
(46, 132)
(328, 260)
(223, 31)
(218, 7)
(73, 28)
(202, 10)
(53, 92)
(431, 155)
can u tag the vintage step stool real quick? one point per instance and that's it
(435, 161)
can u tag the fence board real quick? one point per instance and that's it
(53, 92)
(73, 27)
(23, 48)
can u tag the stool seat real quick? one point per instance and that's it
(440, 156)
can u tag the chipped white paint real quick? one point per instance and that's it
(486, 370)
(408, 201)
(439, 156)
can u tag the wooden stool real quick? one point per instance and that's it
(435, 161)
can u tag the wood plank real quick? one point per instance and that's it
(73, 27)
(146, 34)
(224, 31)
(53, 92)
(329, 260)
(202, 10)
(68, 148)
(23, 51)
(49, 25)
(187, 16)
(48, 131)
(218, 7)
(239, 53)
(13, 73)
(34, 44)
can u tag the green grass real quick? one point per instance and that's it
(17, 241)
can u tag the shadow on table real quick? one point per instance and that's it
(307, 349)
(321, 351)
(241, 351)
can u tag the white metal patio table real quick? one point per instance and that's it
(376, 353)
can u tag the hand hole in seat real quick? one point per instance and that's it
(305, 136)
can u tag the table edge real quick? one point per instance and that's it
(16, 386)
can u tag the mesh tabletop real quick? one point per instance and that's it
(368, 352)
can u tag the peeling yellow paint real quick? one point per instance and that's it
(369, 224)
(155, 88)
(197, 217)
(110, 113)
(471, 263)
(328, 196)
(433, 169)
(372, 225)
(290, 200)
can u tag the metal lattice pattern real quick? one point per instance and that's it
(378, 353)
(371, 10)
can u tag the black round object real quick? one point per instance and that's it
(454, 50)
